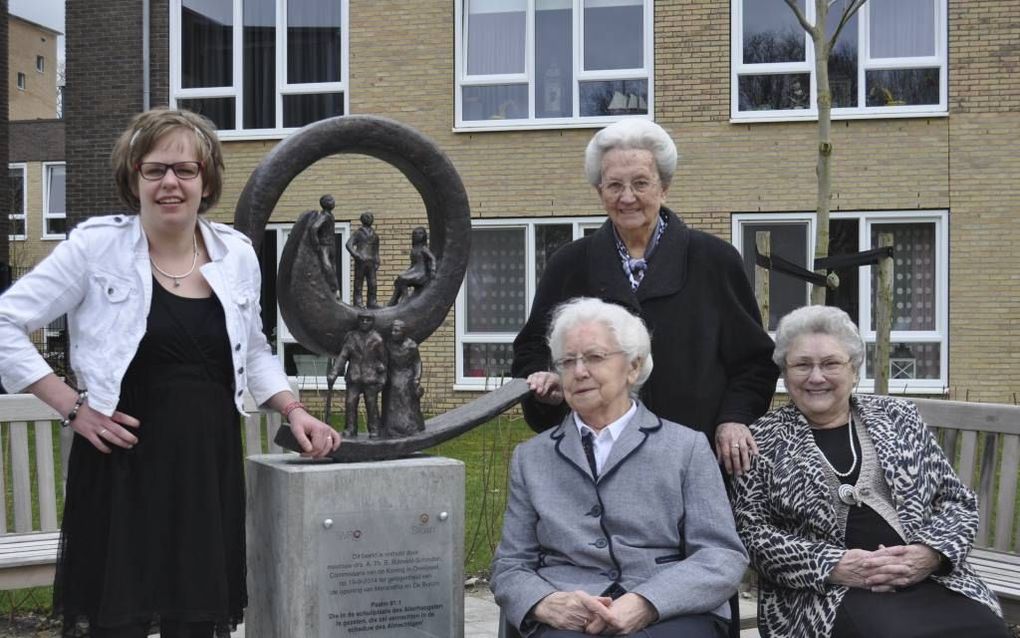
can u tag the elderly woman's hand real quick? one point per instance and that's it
(315, 437)
(852, 569)
(898, 566)
(735, 447)
(546, 387)
(570, 610)
(626, 615)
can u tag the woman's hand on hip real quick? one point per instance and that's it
(103, 431)
(569, 610)
(546, 387)
(735, 447)
(315, 437)
(890, 568)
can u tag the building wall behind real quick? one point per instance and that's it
(38, 100)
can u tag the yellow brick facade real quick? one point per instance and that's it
(29, 251)
(27, 41)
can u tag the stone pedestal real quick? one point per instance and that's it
(359, 549)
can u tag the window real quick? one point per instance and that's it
(552, 63)
(54, 208)
(17, 176)
(309, 368)
(21, 81)
(919, 348)
(507, 261)
(40, 64)
(259, 67)
(889, 60)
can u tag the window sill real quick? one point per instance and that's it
(812, 116)
(483, 126)
(488, 386)
(60, 237)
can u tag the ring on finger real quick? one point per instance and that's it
(103, 431)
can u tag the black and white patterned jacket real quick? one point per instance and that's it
(787, 517)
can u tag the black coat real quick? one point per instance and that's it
(712, 359)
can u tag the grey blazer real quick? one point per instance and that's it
(657, 522)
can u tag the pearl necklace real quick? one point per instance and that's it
(177, 278)
(853, 452)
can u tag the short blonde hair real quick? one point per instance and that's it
(144, 133)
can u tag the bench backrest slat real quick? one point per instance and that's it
(3, 485)
(45, 476)
(20, 477)
(985, 487)
(968, 453)
(1006, 503)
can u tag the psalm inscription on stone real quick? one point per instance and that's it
(387, 574)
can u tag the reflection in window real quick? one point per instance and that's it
(772, 33)
(614, 97)
(902, 87)
(775, 92)
(788, 241)
(259, 65)
(500, 102)
(313, 41)
(207, 39)
(843, 58)
(54, 211)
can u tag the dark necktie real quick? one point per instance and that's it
(587, 442)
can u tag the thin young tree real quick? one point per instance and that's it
(823, 46)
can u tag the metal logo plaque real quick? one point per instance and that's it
(386, 573)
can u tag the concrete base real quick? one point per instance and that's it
(304, 520)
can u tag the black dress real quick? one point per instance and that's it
(924, 610)
(157, 531)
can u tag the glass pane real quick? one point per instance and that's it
(16, 226)
(495, 280)
(772, 33)
(774, 92)
(496, 32)
(554, 77)
(902, 28)
(614, 97)
(909, 361)
(484, 360)
(899, 87)
(218, 109)
(501, 102)
(313, 41)
(844, 239)
(259, 64)
(613, 34)
(56, 226)
(299, 110)
(789, 241)
(56, 182)
(302, 362)
(915, 289)
(206, 43)
(548, 239)
(843, 59)
(16, 183)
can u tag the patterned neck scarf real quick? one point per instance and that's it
(635, 268)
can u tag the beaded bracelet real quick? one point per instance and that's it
(290, 407)
(82, 396)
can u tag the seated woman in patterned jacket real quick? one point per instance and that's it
(851, 514)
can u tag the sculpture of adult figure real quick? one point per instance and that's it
(852, 515)
(163, 313)
(324, 228)
(363, 245)
(362, 361)
(713, 369)
(402, 395)
(421, 271)
(617, 520)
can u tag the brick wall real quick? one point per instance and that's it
(38, 100)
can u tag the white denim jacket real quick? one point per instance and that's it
(100, 277)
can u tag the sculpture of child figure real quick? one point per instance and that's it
(363, 356)
(421, 271)
(402, 394)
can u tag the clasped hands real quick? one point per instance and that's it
(887, 568)
(595, 615)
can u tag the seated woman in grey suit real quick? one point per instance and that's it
(617, 521)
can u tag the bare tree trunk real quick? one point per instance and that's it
(823, 168)
(763, 241)
(883, 317)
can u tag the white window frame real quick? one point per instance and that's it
(864, 63)
(647, 70)
(283, 335)
(21, 81)
(47, 214)
(40, 63)
(940, 335)
(236, 91)
(23, 216)
(463, 336)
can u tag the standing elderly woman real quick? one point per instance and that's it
(852, 515)
(617, 520)
(163, 314)
(713, 369)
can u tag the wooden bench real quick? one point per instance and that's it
(28, 549)
(982, 441)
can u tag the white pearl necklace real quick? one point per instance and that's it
(853, 452)
(177, 278)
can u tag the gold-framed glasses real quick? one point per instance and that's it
(828, 368)
(154, 171)
(590, 360)
(639, 186)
